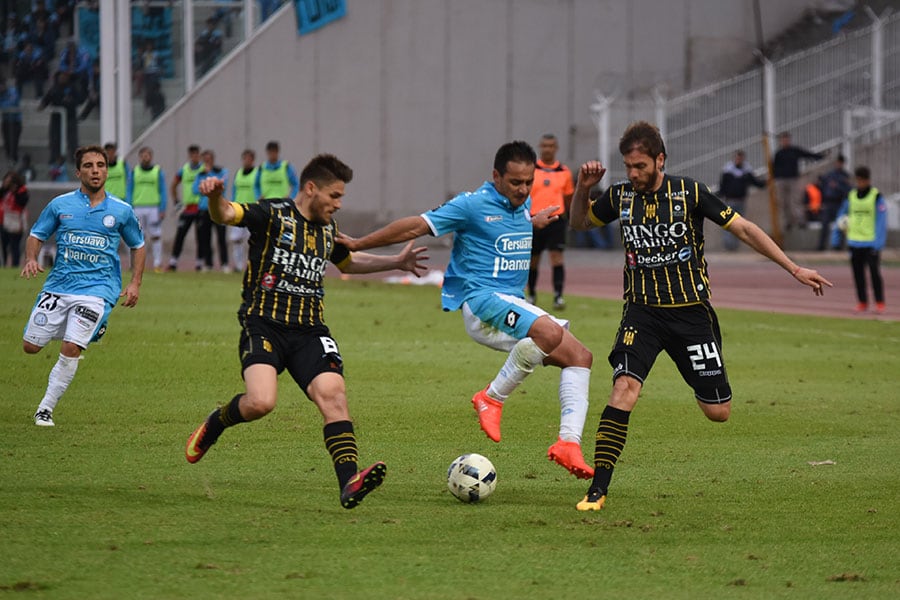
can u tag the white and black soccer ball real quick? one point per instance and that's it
(471, 477)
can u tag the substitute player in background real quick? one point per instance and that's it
(282, 314)
(864, 216)
(552, 187)
(486, 277)
(86, 280)
(666, 286)
(242, 192)
(117, 181)
(146, 192)
(276, 178)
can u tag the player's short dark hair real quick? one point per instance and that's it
(325, 169)
(93, 148)
(193, 148)
(643, 137)
(517, 151)
(863, 172)
(273, 145)
(248, 151)
(147, 148)
(110, 146)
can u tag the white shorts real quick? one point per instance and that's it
(499, 321)
(148, 217)
(76, 319)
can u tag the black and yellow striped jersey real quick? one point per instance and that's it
(286, 263)
(662, 233)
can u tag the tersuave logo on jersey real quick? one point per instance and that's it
(86, 239)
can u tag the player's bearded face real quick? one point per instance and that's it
(516, 183)
(92, 172)
(325, 202)
(644, 172)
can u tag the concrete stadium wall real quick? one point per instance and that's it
(416, 95)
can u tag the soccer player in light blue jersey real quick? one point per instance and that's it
(86, 279)
(486, 278)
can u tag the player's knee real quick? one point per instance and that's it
(718, 413)
(547, 334)
(255, 406)
(625, 392)
(582, 356)
(30, 348)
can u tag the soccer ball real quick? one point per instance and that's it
(471, 477)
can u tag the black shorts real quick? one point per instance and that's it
(689, 334)
(305, 353)
(551, 237)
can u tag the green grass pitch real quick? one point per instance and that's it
(104, 505)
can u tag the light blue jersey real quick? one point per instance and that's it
(87, 244)
(491, 245)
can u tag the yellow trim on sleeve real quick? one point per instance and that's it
(731, 220)
(344, 262)
(238, 214)
(594, 218)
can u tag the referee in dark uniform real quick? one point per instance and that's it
(666, 285)
(282, 313)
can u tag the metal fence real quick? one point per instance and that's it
(841, 95)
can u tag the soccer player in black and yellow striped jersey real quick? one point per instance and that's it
(666, 285)
(282, 314)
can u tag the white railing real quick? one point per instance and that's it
(809, 94)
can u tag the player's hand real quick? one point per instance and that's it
(591, 173)
(812, 278)
(130, 293)
(212, 187)
(31, 269)
(345, 240)
(544, 217)
(413, 259)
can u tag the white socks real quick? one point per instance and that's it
(573, 402)
(522, 360)
(60, 377)
(237, 252)
(156, 249)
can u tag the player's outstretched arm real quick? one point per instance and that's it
(409, 259)
(751, 234)
(401, 230)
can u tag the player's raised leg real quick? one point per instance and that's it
(328, 392)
